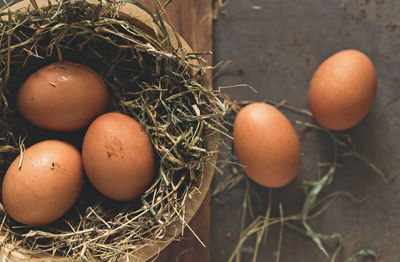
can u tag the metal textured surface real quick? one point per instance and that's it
(276, 46)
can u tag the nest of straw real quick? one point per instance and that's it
(161, 86)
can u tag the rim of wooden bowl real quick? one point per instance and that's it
(139, 17)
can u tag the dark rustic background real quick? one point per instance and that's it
(276, 46)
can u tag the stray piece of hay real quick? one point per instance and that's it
(313, 206)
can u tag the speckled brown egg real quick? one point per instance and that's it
(118, 157)
(266, 145)
(46, 185)
(63, 97)
(342, 90)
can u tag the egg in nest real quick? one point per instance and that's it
(43, 185)
(118, 156)
(62, 97)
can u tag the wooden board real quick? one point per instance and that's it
(193, 21)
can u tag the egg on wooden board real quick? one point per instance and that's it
(266, 145)
(118, 157)
(342, 90)
(45, 185)
(63, 97)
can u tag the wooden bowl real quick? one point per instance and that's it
(140, 18)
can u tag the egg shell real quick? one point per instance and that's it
(342, 90)
(63, 97)
(266, 145)
(118, 157)
(47, 185)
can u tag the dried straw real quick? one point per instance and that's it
(164, 88)
(314, 204)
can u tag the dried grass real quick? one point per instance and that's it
(163, 87)
(314, 204)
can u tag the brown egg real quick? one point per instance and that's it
(342, 90)
(47, 184)
(118, 156)
(266, 145)
(62, 97)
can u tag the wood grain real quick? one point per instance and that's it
(193, 21)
